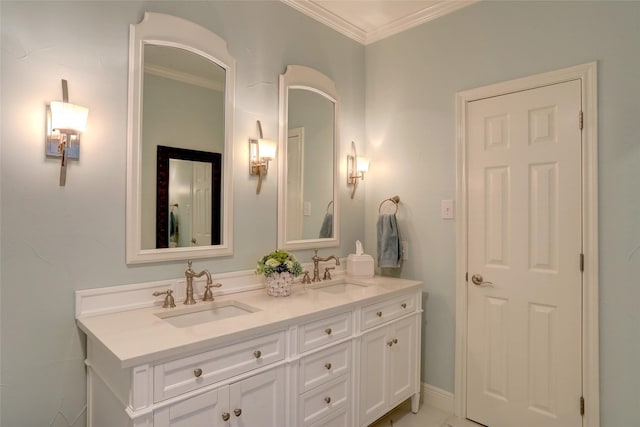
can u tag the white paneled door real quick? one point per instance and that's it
(524, 364)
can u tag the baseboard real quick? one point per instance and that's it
(438, 398)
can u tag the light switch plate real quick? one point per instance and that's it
(446, 209)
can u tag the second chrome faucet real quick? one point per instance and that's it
(189, 274)
(316, 271)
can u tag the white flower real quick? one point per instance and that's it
(272, 263)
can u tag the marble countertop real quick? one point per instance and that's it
(139, 336)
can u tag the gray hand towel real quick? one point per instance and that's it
(389, 245)
(326, 230)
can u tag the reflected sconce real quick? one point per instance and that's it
(261, 151)
(65, 124)
(356, 168)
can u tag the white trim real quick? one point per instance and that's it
(438, 398)
(338, 23)
(181, 76)
(587, 74)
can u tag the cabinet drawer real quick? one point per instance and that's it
(336, 419)
(189, 373)
(318, 368)
(324, 331)
(384, 311)
(324, 400)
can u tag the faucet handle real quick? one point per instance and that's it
(208, 294)
(306, 279)
(327, 273)
(169, 301)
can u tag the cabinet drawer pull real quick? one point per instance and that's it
(257, 354)
(238, 412)
(327, 399)
(226, 416)
(328, 366)
(197, 372)
(328, 331)
(403, 305)
(379, 314)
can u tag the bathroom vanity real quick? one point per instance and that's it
(338, 353)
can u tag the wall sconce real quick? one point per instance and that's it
(65, 123)
(261, 151)
(356, 167)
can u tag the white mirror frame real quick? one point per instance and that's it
(167, 30)
(301, 77)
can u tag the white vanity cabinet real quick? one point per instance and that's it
(389, 357)
(324, 360)
(256, 401)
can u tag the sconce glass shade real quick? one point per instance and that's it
(69, 117)
(266, 149)
(362, 164)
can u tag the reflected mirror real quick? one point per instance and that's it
(179, 147)
(307, 190)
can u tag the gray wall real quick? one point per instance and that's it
(411, 82)
(56, 240)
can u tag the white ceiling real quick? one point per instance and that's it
(367, 21)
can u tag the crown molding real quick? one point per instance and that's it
(320, 14)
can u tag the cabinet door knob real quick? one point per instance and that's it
(379, 314)
(327, 399)
(389, 343)
(257, 354)
(327, 365)
(238, 412)
(403, 305)
(197, 372)
(395, 340)
(328, 331)
(226, 416)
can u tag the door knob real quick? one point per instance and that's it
(237, 412)
(479, 281)
(226, 416)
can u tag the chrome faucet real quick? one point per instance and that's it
(316, 259)
(190, 274)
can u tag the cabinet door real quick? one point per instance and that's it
(402, 360)
(374, 356)
(259, 401)
(203, 410)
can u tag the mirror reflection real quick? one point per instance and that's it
(182, 116)
(310, 154)
(307, 183)
(188, 198)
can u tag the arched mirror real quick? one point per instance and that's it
(308, 214)
(179, 147)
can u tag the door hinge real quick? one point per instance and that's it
(582, 405)
(581, 120)
(582, 263)
(466, 276)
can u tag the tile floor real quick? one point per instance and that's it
(427, 416)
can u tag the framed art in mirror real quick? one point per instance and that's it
(308, 211)
(181, 97)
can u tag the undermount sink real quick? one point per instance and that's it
(337, 288)
(204, 313)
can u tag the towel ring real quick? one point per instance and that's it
(395, 200)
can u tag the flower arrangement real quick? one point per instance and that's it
(279, 261)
